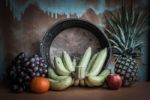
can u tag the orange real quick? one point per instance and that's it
(39, 85)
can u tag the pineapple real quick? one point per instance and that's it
(124, 29)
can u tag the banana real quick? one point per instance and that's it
(81, 82)
(87, 83)
(74, 62)
(90, 65)
(86, 58)
(59, 67)
(98, 64)
(81, 68)
(53, 75)
(73, 80)
(67, 62)
(80, 72)
(98, 80)
(76, 82)
(61, 85)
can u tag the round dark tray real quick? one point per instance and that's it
(70, 23)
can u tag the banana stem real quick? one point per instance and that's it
(80, 72)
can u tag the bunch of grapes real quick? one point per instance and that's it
(23, 69)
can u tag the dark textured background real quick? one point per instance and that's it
(23, 23)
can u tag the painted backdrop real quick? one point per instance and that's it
(23, 23)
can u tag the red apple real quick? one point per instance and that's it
(114, 81)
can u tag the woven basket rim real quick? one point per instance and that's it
(70, 23)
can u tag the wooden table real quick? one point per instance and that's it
(140, 91)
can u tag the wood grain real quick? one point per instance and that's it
(140, 91)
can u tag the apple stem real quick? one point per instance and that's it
(111, 67)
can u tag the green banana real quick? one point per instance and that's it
(76, 82)
(81, 68)
(91, 63)
(86, 58)
(67, 62)
(61, 85)
(87, 83)
(53, 75)
(74, 62)
(99, 80)
(98, 64)
(59, 67)
(73, 80)
(81, 82)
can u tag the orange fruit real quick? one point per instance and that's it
(39, 85)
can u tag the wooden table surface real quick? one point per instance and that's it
(139, 91)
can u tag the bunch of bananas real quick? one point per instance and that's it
(88, 72)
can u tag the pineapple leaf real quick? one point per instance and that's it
(116, 38)
(138, 17)
(113, 42)
(144, 29)
(123, 10)
(119, 16)
(115, 19)
(132, 42)
(118, 49)
(112, 25)
(127, 16)
(138, 45)
(125, 27)
(122, 34)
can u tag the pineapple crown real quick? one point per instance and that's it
(124, 29)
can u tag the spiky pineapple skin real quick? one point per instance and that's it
(127, 68)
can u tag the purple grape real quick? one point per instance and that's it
(25, 60)
(36, 68)
(20, 80)
(18, 67)
(37, 62)
(21, 55)
(18, 61)
(40, 70)
(27, 63)
(42, 60)
(45, 66)
(37, 74)
(45, 71)
(32, 60)
(32, 65)
(27, 77)
(41, 65)
(23, 69)
(22, 74)
(37, 59)
(36, 56)
(33, 74)
(43, 75)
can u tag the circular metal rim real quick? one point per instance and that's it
(70, 23)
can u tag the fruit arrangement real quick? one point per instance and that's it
(88, 72)
(32, 73)
(124, 29)
(23, 69)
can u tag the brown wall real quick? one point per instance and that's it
(25, 35)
